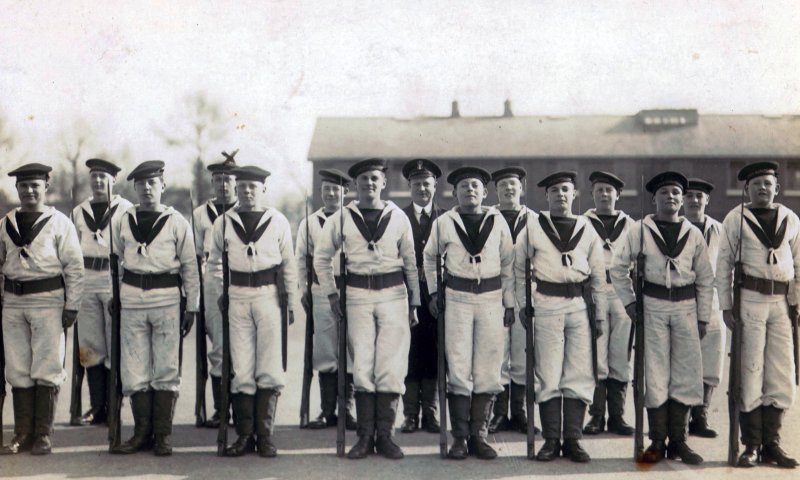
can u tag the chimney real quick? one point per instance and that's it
(454, 113)
(507, 109)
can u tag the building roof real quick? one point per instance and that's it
(649, 133)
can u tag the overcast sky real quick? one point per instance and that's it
(124, 67)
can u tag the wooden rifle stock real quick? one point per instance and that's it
(441, 359)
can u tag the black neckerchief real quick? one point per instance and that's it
(474, 248)
(515, 230)
(702, 227)
(95, 226)
(563, 245)
(770, 242)
(662, 246)
(25, 241)
(213, 213)
(362, 227)
(139, 236)
(605, 236)
(253, 237)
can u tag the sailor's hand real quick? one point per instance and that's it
(631, 311)
(727, 317)
(111, 309)
(508, 317)
(305, 301)
(702, 329)
(794, 314)
(433, 306)
(412, 316)
(336, 307)
(68, 317)
(186, 323)
(599, 329)
(222, 303)
(291, 317)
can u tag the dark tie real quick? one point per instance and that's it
(424, 220)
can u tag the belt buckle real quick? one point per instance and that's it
(670, 292)
(17, 287)
(97, 263)
(144, 282)
(251, 279)
(772, 287)
(369, 281)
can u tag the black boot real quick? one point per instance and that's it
(480, 409)
(519, 421)
(615, 397)
(97, 378)
(657, 418)
(327, 401)
(597, 422)
(163, 413)
(459, 406)
(550, 416)
(43, 416)
(142, 439)
(411, 406)
(429, 400)
(385, 414)
(266, 405)
(244, 413)
(216, 394)
(771, 451)
(23, 421)
(574, 413)
(698, 425)
(365, 416)
(500, 421)
(350, 422)
(676, 426)
(750, 424)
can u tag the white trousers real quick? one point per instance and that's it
(513, 369)
(150, 339)
(94, 329)
(612, 346)
(325, 357)
(564, 356)
(212, 290)
(34, 346)
(712, 347)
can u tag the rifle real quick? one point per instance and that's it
(225, 381)
(592, 314)
(341, 379)
(283, 303)
(2, 372)
(78, 372)
(530, 347)
(735, 369)
(441, 358)
(637, 329)
(114, 379)
(308, 351)
(201, 347)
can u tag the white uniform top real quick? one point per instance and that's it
(55, 251)
(393, 252)
(713, 235)
(495, 259)
(548, 263)
(318, 219)
(785, 260)
(272, 249)
(202, 229)
(624, 222)
(172, 251)
(691, 266)
(96, 244)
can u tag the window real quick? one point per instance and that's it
(791, 182)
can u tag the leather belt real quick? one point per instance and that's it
(376, 282)
(260, 278)
(764, 286)
(471, 285)
(18, 287)
(674, 294)
(336, 278)
(149, 281)
(565, 290)
(95, 263)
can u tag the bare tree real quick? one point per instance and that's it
(69, 185)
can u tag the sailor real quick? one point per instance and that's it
(769, 239)
(569, 273)
(421, 384)
(42, 266)
(613, 366)
(263, 274)
(92, 219)
(382, 296)
(334, 185)
(156, 248)
(508, 183)
(479, 301)
(678, 291)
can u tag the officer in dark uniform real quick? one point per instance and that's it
(422, 176)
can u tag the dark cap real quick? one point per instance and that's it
(366, 166)
(558, 177)
(421, 167)
(148, 169)
(100, 165)
(31, 171)
(606, 177)
(250, 173)
(468, 172)
(749, 172)
(666, 178)
(516, 172)
(224, 166)
(700, 185)
(335, 176)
